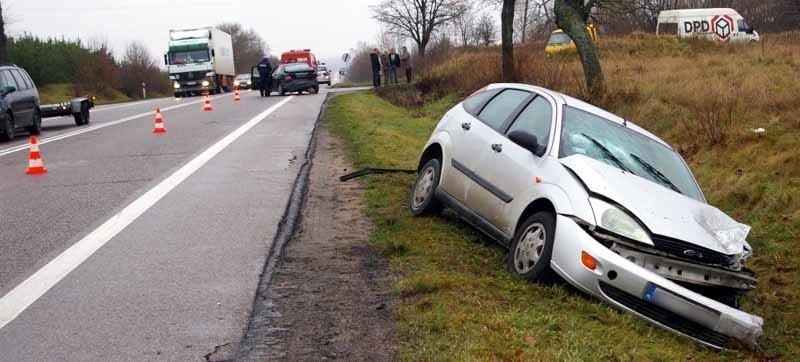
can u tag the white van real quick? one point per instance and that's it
(720, 24)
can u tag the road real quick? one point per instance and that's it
(143, 247)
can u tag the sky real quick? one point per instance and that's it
(328, 27)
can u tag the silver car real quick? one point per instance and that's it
(575, 191)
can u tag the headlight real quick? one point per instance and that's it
(236, 83)
(210, 74)
(206, 83)
(613, 219)
(249, 82)
(176, 85)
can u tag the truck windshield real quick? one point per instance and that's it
(559, 39)
(189, 57)
(590, 135)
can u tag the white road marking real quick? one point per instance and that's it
(124, 105)
(62, 136)
(33, 288)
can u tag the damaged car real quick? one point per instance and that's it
(575, 191)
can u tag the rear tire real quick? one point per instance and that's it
(8, 128)
(423, 194)
(281, 90)
(35, 128)
(532, 248)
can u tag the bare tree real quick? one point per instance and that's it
(464, 26)
(248, 47)
(418, 19)
(571, 17)
(486, 30)
(507, 30)
(138, 68)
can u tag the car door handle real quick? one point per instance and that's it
(466, 126)
(497, 147)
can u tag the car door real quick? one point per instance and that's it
(15, 98)
(459, 126)
(483, 194)
(510, 168)
(26, 99)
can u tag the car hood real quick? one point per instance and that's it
(663, 211)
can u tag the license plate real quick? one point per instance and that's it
(191, 83)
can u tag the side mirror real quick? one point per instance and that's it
(213, 53)
(166, 60)
(528, 142)
(7, 90)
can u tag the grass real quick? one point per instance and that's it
(349, 84)
(455, 299)
(55, 93)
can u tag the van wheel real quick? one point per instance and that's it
(423, 194)
(36, 124)
(8, 128)
(532, 248)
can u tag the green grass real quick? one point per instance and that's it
(351, 85)
(55, 93)
(455, 299)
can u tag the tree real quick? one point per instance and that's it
(571, 17)
(486, 30)
(418, 19)
(248, 47)
(507, 30)
(464, 26)
(3, 38)
(137, 67)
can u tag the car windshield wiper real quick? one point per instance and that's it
(656, 173)
(610, 156)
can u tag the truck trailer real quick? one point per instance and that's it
(200, 61)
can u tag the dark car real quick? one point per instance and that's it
(295, 77)
(19, 102)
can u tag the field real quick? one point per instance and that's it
(454, 299)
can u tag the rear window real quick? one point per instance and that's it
(668, 28)
(297, 68)
(501, 107)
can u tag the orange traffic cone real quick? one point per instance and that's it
(207, 104)
(159, 127)
(35, 164)
(236, 97)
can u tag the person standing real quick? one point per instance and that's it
(385, 66)
(374, 58)
(405, 62)
(265, 76)
(394, 65)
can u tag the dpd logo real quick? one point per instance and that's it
(722, 27)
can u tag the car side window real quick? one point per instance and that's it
(502, 106)
(18, 78)
(475, 103)
(535, 119)
(8, 79)
(27, 78)
(4, 82)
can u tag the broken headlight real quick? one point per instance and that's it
(615, 220)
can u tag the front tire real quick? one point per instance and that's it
(532, 248)
(82, 117)
(423, 194)
(36, 127)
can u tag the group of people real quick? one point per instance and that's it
(388, 64)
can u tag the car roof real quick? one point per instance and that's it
(696, 12)
(565, 100)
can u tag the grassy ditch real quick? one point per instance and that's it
(455, 299)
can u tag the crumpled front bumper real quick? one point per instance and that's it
(652, 297)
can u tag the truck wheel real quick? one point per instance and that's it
(82, 117)
(8, 128)
(36, 127)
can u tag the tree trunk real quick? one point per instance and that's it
(570, 19)
(3, 39)
(507, 18)
(525, 21)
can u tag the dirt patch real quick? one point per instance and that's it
(328, 296)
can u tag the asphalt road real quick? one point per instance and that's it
(143, 247)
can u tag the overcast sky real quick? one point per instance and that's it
(328, 27)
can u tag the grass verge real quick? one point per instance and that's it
(56, 93)
(454, 298)
(350, 85)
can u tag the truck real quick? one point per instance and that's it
(300, 56)
(200, 61)
(723, 25)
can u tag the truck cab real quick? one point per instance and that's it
(719, 24)
(200, 61)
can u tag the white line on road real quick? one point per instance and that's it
(62, 136)
(33, 288)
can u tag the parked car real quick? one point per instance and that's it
(19, 102)
(296, 77)
(561, 42)
(243, 81)
(575, 191)
(323, 74)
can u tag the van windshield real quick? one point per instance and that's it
(559, 39)
(584, 133)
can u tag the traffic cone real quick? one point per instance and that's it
(207, 104)
(159, 126)
(35, 164)
(236, 97)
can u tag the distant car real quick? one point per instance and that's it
(575, 191)
(296, 77)
(299, 56)
(19, 103)
(243, 81)
(561, 42)
(323, 74)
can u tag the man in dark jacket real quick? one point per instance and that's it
(394, 65)
(265, 75)
(375, 59)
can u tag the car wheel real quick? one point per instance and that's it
(36, 127)
(423, 198)
(281, 90)
(532, 247)
(8, 128)
(313, 90)
(82, 117)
